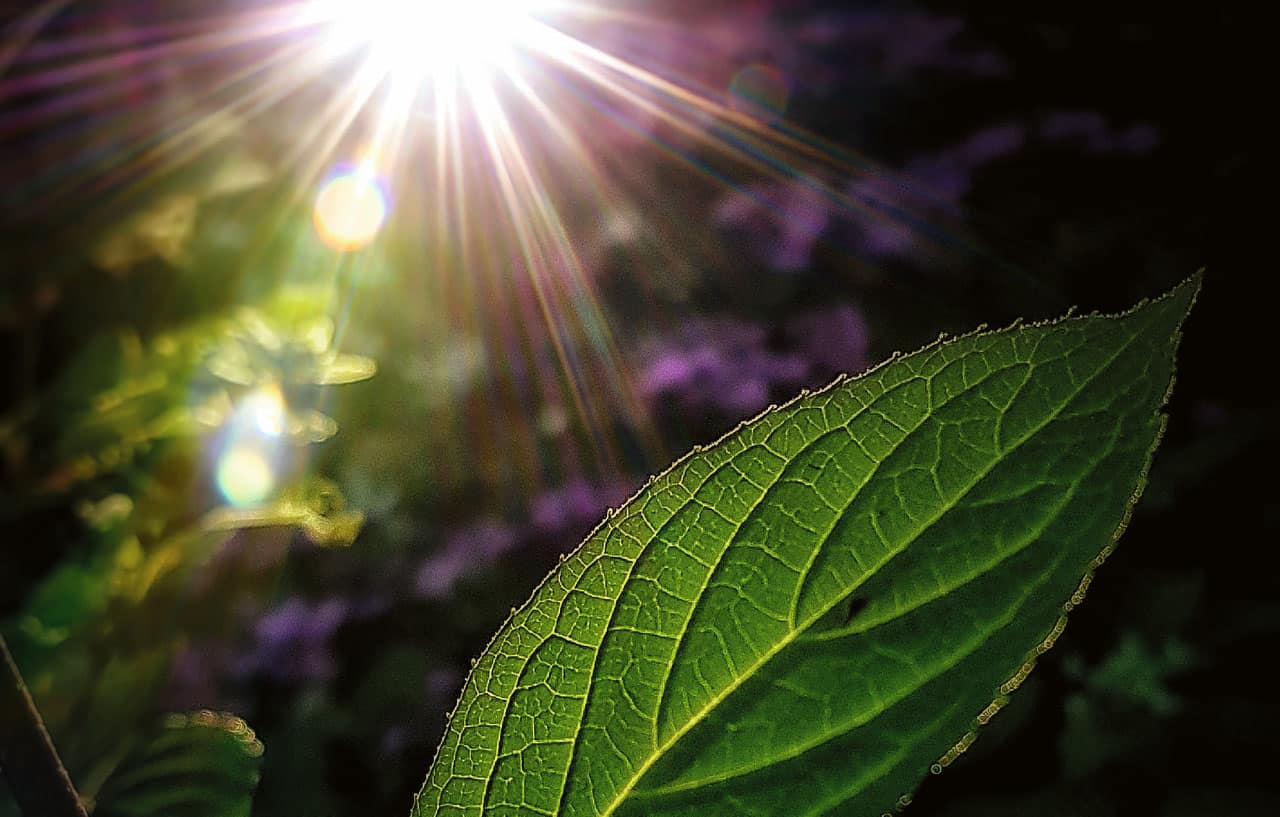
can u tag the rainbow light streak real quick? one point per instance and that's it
(760, 90)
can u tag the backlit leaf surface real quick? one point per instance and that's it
(806, 616)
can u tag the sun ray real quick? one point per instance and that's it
(474, 129)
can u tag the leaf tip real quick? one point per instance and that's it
(1169, 311)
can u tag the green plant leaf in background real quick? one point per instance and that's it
(200, 765)
(807, 616)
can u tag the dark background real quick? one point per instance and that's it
(1028, 161)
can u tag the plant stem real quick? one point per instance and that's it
(28, 761)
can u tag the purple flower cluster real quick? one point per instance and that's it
(832, 340)
(947, 175)
(705, 45)
(566, 514)
(559, 517)
(726, 365)
(782, 221)
(897, 43)
(292, 641)
(931, 187)
(722, 364)
(1090, 132)
(464, 551)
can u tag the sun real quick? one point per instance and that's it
(418, 39)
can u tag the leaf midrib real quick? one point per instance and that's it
(877, 463)
(869, 716)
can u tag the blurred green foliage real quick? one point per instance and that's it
(127, 436)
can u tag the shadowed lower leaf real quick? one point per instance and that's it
(200, 765)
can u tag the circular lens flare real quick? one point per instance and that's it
(350, 210)
(247, 470)
(245, 476)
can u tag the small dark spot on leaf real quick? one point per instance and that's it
(856, 605)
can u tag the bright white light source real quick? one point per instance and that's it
(247, 464)
(416, 38)
(266, 410)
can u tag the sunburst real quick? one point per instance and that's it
(468, 125)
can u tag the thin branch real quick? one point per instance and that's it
(28, 761)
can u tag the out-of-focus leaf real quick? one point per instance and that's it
(1137, 675)
(1125, 702)
(804, 617)
(237, 174)
(334, 369)
(200, 765)
(124, 394)
(255, 353)
(256, 356)
(310, 427)
(316, 506)
(163, 230)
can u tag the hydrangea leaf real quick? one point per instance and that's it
(805, 617)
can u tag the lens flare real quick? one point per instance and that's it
(246, 471)
(529, 144)
(351, 209)
(245, 475)
(265, 409)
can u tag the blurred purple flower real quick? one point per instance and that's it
(946, 177)
(1089, 131)
(567, 513)
(712, 41)
(560, 516)
(464, 551)
(292, 642)
(835, 340)
(930, 187)
(899, 43)
(722, 364)
(727, 365)
(782, 221)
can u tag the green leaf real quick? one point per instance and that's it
(200, 765)
(805, 617)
